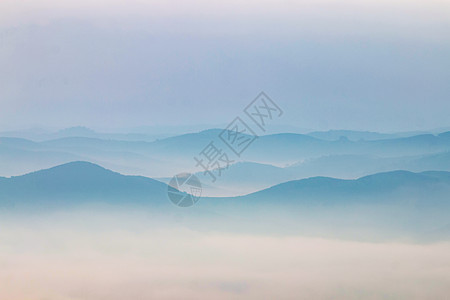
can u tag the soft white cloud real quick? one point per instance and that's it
(331, 15)
(90, 257)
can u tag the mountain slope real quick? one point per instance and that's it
(377, 186)
(353, 135)
(392, 204)
(173, 155)
(80, 182)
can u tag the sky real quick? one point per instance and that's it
(363, 65)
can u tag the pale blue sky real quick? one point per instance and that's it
(368, 65)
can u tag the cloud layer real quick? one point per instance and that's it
(113, 260)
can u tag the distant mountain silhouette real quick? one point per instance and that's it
(390, 204)
(77, 131)
(81, 131)
(246, 177)
(380, 206)
(81, 182)
(334, 135)
(168, 156)
(395, 183)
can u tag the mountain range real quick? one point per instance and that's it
(172, 155)
(83, 181)
(78, 183)
(246, 177)
(390, 204)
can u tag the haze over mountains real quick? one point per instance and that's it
(85, 181)
(77, 183)
(270, 160)
(156, 132)
(246, 177)
(317, 207)
(282, 183)
(403, 200)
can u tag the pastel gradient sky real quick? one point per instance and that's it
(366, 65)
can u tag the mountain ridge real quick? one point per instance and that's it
(87, 181)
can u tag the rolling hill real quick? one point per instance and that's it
(80, 182)
(168, 156)
(83, 181)
(385, 205)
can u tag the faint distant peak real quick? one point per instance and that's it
(77, 130)
(211, 131)
(352, 135)
(76, 167)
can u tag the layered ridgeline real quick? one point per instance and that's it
(168, 156)
(83, 180)
(400, 202)
(246, 177)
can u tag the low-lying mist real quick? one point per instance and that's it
(134, 254)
